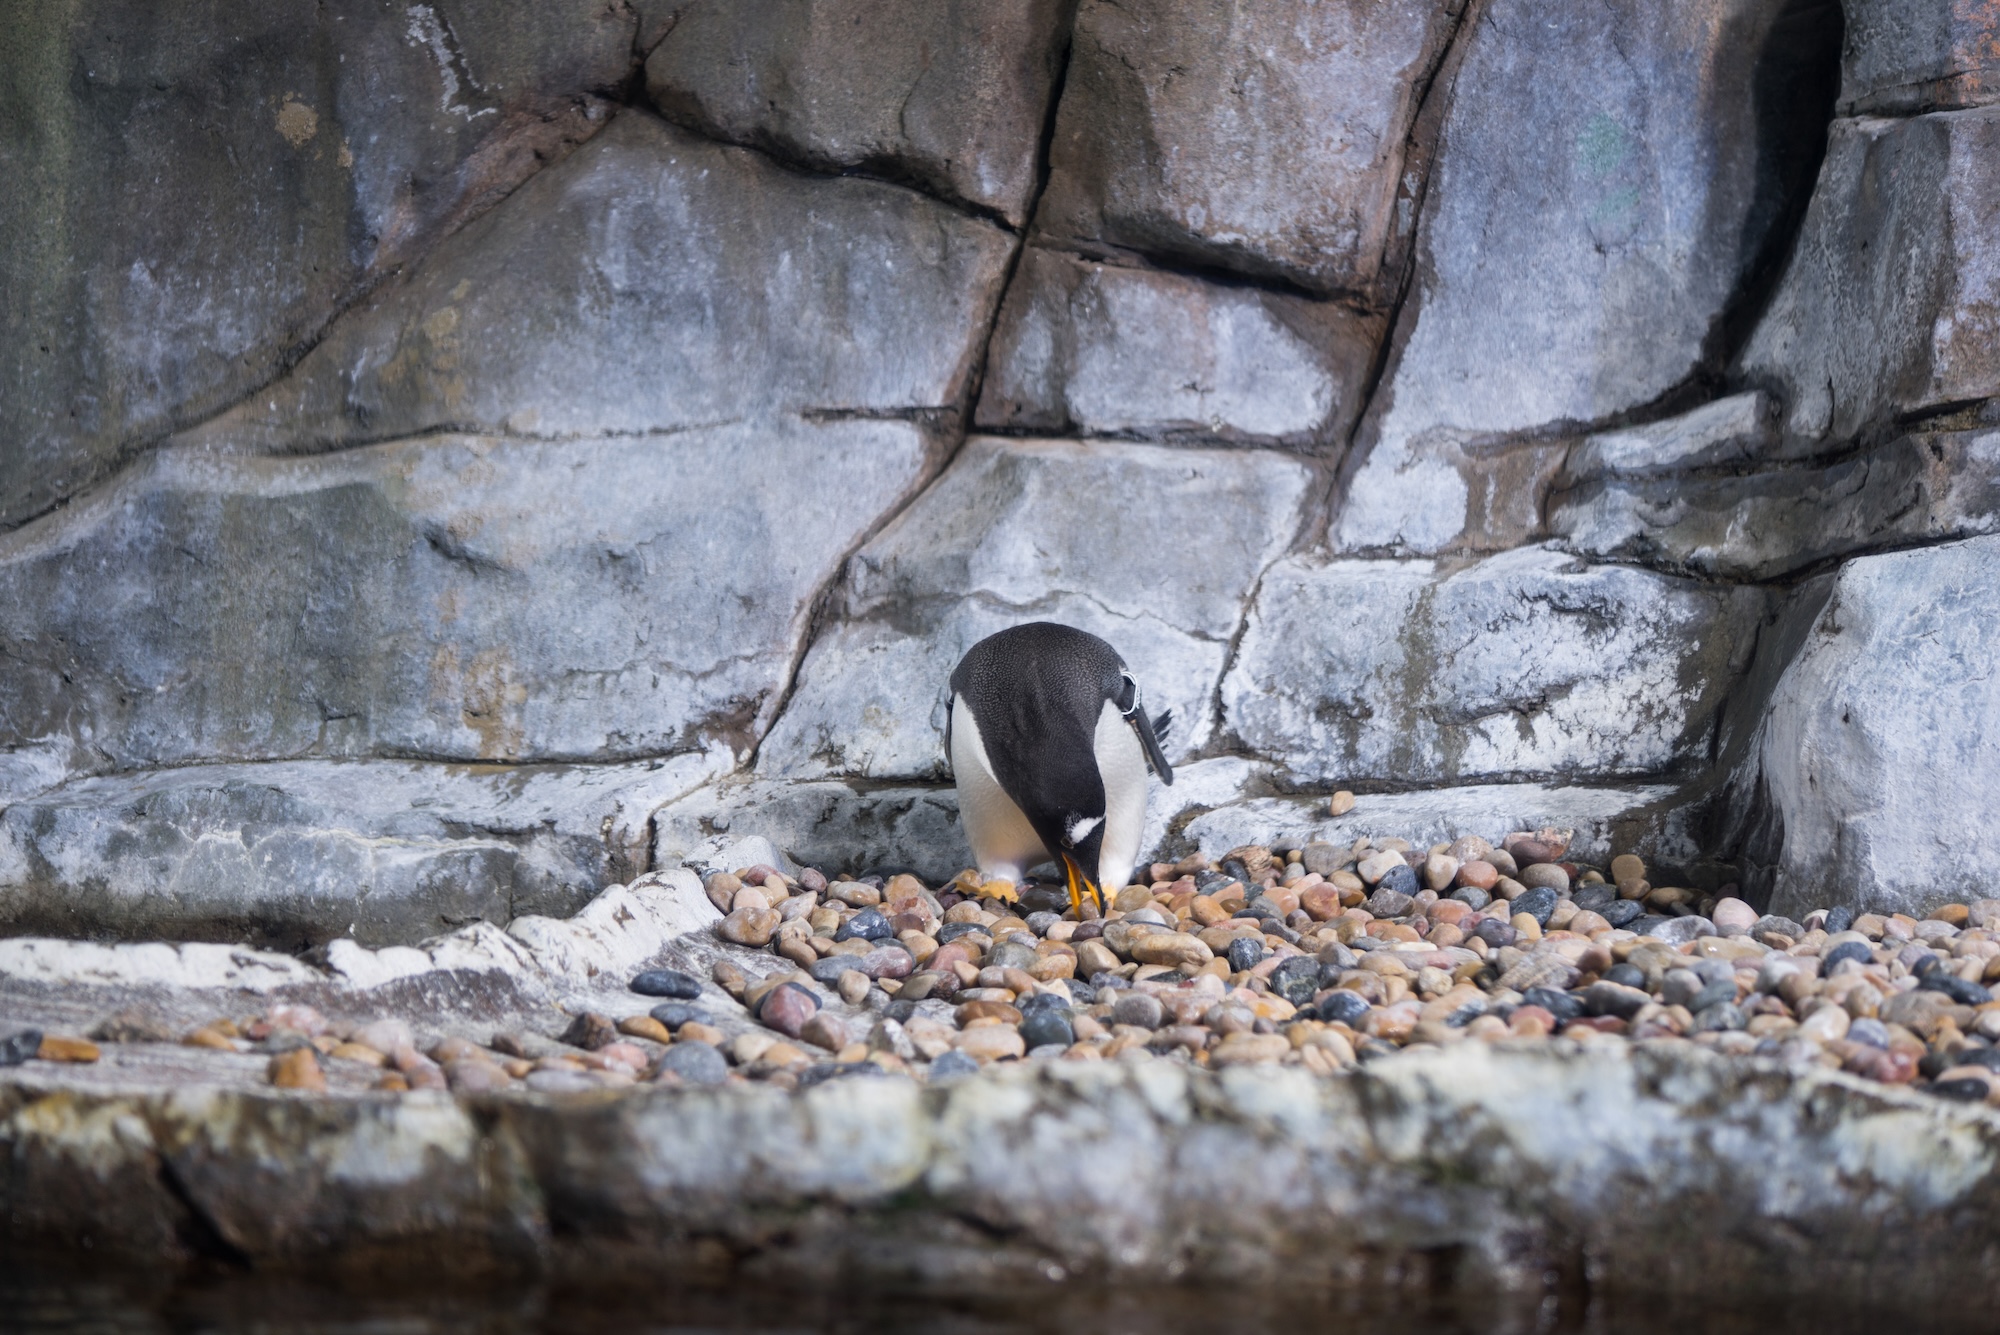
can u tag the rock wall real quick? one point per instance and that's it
(449, 460)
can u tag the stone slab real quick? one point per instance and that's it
(1640, 819)
(487, 600)
(1557, 288)
(194, 195)
(1503, 1155)
(1096, 349)
(952, 96)
(1262, 139)
(1888, 306)
(1530, 664)
(298, 853)
(1155, 548)
(655, 281)
(1772, 524)
(1876, 753)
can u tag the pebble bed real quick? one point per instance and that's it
(1319, 957)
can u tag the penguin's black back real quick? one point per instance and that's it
(1036, 692)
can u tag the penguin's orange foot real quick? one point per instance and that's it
(997, 889)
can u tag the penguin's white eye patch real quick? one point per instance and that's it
(1079, 828)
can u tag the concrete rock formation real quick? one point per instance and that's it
(452, 461)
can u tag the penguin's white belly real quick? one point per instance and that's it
(1003, 843)
(1122, 765)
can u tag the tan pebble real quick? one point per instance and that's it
(1245, 1049)
(1826, 1024)
(781, 1056)
(729, 978)
(1627, 867)
(359, 1052)
(825, 1031)
(1171, 949)
(1526, 928)
(1340, 803)
(1439, 871)
(392, 1082)
(696, 1032)
(855, 1052)
(208, 1037)
(475, 1075)
(56, 1048)
(747, 1048)
(452, 1049)
(1955, 915)
(518, 1067)
(853, 986)
(748, 926)
(749, 897)
(992, 1042)
(645, 1026)
(297, 1069)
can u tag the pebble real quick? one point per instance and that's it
(297, 1069)
(666, 983)
(694, 1063)
(20, 1046)
(58, 1048)
(645, 1026)
(786, 1008)
(1340, 803)
(748, 926)
(589, 1030)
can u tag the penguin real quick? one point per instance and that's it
(1049, 748)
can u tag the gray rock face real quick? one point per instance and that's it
(655, 282)
(952, 95)
(299, 853)
(486, 599)
(1268, 139)
(1528, 663)
(1908, 56)
(1889, 305)
(1877, 751)
(1565, 285)
(193, 195)
(1767, 525)
(1039, 530)
(1100, 349)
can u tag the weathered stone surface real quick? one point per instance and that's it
(1152, 547)
(1268, 139)
(1876, 756)
(1503, 1154)
(301, 852)
(1563, 286)
(1100, 349)
(1647, 816)
(1528, 663)
(828, 824)
(1729, 432)
(1891, 303)
(654, 281)
(485, 600)
(1906, 56)
(952, 96)
(1766, 525)
(193, 195)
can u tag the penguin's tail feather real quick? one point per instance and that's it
(1162, 721)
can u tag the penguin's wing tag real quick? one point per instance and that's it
(1136, 716)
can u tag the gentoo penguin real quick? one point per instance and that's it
(1050, 748)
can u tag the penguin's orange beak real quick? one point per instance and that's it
(1079, 881)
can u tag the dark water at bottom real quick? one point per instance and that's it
(47, 1299)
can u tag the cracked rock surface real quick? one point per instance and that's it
(1437, 394)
